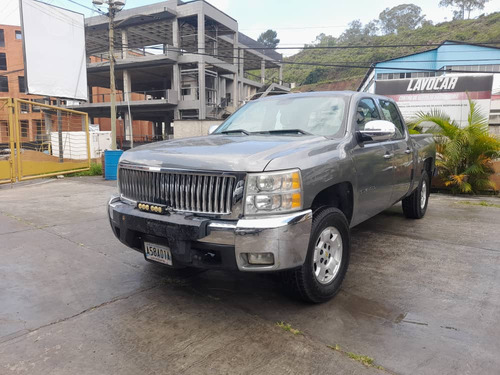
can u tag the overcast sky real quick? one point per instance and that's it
(296, 21)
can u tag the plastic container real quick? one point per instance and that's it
(111, 158)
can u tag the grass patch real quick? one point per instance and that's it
(363, 359)
(367, 361)
(482, 203)
(287, 327)
(95, 170)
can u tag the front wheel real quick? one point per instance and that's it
(324, 269)
(415, 205)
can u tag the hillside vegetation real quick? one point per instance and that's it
(482, 29)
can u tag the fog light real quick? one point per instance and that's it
(260, 258)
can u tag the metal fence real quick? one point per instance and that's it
(40, 140)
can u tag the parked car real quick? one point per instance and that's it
(276, 187)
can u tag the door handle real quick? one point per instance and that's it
(407, 151)
(388, 156)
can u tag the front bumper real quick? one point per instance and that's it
(214, 243)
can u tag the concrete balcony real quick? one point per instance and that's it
(144, 105)
(169, 57)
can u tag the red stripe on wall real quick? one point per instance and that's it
(442, 96)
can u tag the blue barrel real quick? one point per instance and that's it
(111, 158)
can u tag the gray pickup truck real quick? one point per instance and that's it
(276, 187)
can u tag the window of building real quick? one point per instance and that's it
(19, 36)
(4, 129)
(2, 38)
(25, 128)
(25, 107)
(3, 61)
(4, 84)
(35, 108)
(391, 114)
(22, 87)
(38, 126)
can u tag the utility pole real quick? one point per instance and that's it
(114, 6)
(112, 85)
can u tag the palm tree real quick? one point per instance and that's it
(464, 155)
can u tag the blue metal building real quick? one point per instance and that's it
(469, 63)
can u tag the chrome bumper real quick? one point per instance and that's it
(285, 236)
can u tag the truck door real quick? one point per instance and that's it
(374, 168)
(402, 150)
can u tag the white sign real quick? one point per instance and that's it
(54, 51)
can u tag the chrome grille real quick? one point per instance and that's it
(192, 192)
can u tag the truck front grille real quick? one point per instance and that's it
(182, 191)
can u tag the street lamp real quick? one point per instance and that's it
(114, 6)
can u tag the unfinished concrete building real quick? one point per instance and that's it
(175, 61)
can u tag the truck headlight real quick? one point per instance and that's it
(273, 192)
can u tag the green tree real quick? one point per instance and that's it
(269, 38)
(371, 28)
(352, 33)
(401, 17)
(464, 155)
(463, 6)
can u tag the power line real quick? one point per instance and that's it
(297, 28)
(356, 66)
(258, 48)
(86, 7)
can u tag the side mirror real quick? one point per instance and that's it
(212, 128)
(377, 131)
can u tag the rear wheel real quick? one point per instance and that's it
(415, 205)
(324, 269)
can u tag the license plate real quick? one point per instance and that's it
(158, 253)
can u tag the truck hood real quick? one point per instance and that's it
(249, 153)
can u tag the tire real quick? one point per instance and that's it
(415, 205)
(332, 224)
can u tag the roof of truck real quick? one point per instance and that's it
(346, 93)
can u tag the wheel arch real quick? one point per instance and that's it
(339, 195)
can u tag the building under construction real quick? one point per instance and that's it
(174, 61)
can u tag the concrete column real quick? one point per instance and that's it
(125, 47)
(201, 87)
(128, 127)
(236, 62)
(241, 74)
(280, 74)
(176, 86)
(127, 97)
(175, 33)
(263, 71)
(201, 32)
(127, 86)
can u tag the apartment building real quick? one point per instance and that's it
(175, 61)
(12, 85)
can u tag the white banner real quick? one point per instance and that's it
(54, 51)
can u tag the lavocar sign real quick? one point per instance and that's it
(448, 93)
(434, 83)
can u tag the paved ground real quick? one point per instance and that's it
(420, 297)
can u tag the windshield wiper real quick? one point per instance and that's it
(234, 131)
(285, 131)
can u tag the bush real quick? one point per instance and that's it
(464, 155)
(95, 170)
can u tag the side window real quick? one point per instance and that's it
(366, 111)
(391, 114)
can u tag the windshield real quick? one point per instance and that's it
(318, 115)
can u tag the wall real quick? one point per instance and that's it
(193, 128)
(15, 68)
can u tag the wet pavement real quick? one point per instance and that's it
(419, 297)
